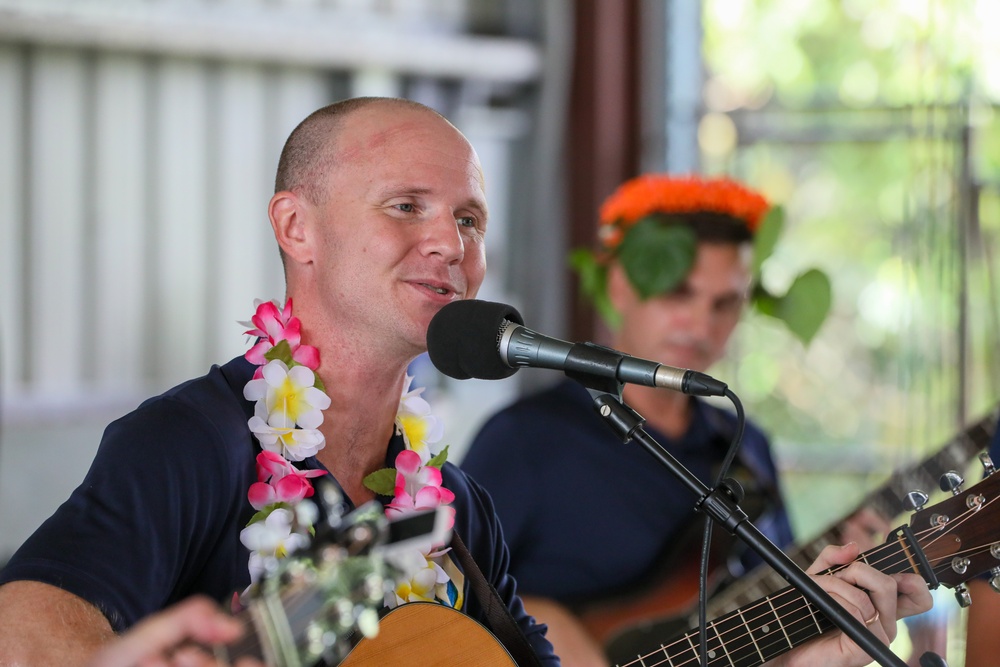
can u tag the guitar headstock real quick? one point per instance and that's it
(960, 535)
(319, 602)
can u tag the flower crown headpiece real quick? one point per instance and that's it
(648, 226)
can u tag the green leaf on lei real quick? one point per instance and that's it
(282, 351)
(382, 482)
(439, 459)
(656, 256)
(264, 513)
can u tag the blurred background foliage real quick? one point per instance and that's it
(875, 124)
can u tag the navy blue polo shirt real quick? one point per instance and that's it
(587, 517)
(159, 514)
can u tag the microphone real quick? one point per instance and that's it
(488, 341)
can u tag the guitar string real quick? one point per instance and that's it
(807, 615)
(247, 644)
(794, 601)
(781, 597)
(968, 513)
(974, 438)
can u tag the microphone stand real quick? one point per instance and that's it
(722, 508)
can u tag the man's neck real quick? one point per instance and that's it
(667, 411)
(364, 390)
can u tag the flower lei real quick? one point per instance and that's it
(637, 228)
(289, 399)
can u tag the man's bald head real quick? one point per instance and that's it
(310, 151)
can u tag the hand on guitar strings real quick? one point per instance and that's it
(872, 597)
(176, 637)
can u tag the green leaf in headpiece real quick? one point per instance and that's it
(657, 256)
(766, 237)
(806, 304)
(594, 283)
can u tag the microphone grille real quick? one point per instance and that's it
(463, 339)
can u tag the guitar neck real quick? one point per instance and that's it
(771, 626)
(274, 628)
(887, 500)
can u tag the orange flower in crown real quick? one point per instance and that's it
(660, 194)
(651, 225)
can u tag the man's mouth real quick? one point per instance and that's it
(436, 288)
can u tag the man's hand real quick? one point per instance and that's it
(176, 637)
(888, 598)
(569, 637)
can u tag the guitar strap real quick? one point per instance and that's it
(501, 623)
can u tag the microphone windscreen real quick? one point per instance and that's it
(463, 339)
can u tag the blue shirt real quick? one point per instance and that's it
(587, 517)
(159, 514)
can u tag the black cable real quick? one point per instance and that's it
(727, 463)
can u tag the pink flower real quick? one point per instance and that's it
(273, 326)
(418, 487)
(279, 482)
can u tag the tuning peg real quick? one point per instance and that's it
(963, 596)
(987, 462)
(915, 500)
(995, 579)
(951, 481)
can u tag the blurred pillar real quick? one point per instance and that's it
(604, 128)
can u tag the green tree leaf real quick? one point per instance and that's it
(657, 256)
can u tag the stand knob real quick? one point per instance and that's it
(931, 659)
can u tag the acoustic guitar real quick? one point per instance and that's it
(628, 626)
(947, 544)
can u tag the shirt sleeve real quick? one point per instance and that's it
(134, 536)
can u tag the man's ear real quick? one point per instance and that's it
(289, 214)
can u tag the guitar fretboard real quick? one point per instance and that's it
(887, 501)
(769, 627)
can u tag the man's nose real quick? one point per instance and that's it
(443, 237)
(698, 317)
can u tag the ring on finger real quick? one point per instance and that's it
(872, 619)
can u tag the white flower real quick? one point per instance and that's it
(288, 410)
(273, 537)
(419, 428)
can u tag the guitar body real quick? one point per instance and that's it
(636, 624)
(424, 634)
(669, 594)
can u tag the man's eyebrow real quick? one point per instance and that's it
(476, 205)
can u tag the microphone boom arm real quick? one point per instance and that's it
(722, 508)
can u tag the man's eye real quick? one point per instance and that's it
(467, 222)
(406, 208)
